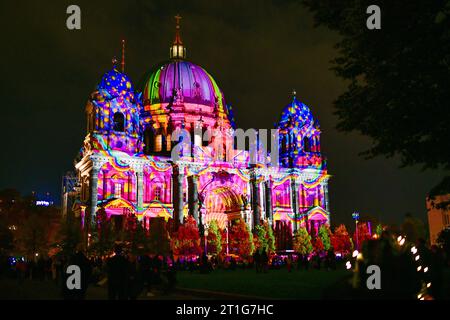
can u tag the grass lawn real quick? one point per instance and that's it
(280, 284)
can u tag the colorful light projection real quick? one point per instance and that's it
(181, 95)
(116, 112)
(299, 137)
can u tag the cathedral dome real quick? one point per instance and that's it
(296, 114)
(183, 91)
(184, 81)
(114, 84)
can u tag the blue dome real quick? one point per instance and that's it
(296, 114)
(114, 84)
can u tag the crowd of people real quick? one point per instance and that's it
(125, 276)
(128, 277)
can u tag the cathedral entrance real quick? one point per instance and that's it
(222, 204)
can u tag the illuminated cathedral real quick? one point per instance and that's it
(126, 167)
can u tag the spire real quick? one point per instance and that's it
(177, 50)
(294, 94)
(177, 30)
(123, 56)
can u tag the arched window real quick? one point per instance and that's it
(119, 122)
(158, 143)
(158, 193)
(306, 144)
(118, 190)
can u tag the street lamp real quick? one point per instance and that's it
(226, 230)
(355, 216)
(206, 238)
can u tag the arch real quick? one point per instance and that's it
(306, 144)
(222, 204)
(119, 122)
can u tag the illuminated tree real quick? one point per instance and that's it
(259, 238)
(341, 241)
(325, 235)
(214, 238)
(186, 240)
(241, 239)
(317, 245)
(302, 242)
(363, 234)
(270, 238)
(264, 238)
(379, 230)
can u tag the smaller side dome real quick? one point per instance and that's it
(114, 84)
(296, 114)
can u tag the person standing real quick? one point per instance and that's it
(118, 275)
(80, 260)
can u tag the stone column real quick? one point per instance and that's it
(139, 189)
(256, 201)
(325, 193)
(94, 194)
(177, 185)
(294, 202)
(193, 197)
(269, 209)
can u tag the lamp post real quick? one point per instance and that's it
(226, 230)
(355, 216)
(206, 238)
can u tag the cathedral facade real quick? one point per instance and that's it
(127, 165)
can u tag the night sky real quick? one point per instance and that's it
(258, 52)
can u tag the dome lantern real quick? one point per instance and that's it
(177, 50)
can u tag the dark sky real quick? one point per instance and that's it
(258, 51)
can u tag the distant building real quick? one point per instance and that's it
(438, 218)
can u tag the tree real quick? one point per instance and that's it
(241, 239)
(103, 236)
(186, 240)
(324, 235)
(318, 245)
(270, 238)
(6, 238)
(362, 235)
(214, 238)
(69, 237)
(158, 240)
(302, 242)
(260, 239)
(379, 230)
(33, 236)
(413, 228)
(341, 241)
(140, 242)
(397, 77)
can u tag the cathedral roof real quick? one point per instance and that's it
(181, 82)
(296, 115)
(114, 84)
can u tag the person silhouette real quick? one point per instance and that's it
(118, 275)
